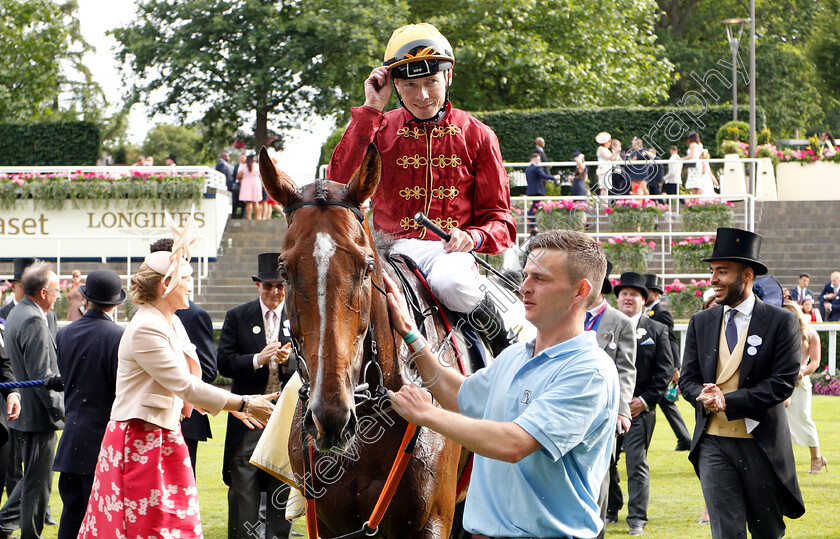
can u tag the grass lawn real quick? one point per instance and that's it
(675, 502)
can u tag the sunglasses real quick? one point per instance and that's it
(268, 286)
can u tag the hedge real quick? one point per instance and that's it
(50, 143)
(569, 130)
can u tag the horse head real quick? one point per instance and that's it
(329, 262)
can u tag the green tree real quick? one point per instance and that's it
(530, 54)
(270, 62)
(31, 45)
(182, 140)
(42, 75)
(787, 81)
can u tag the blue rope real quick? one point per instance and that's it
(28, 383)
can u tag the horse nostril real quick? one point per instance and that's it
(350, 428)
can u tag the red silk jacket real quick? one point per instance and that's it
(451, 171)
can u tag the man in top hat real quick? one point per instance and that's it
(653, 364)
(30, 345)
(615, 335)
(87, 359)
(741, 362)
(199, 328)
(254, 351)
(436, 159)
(660, 313)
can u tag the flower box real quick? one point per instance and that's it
(50, 191)
(688, 253)
(801, 181)
(825, 384)
(561, 214)
(628, 253)
(685, 299)
(634, 215)
(706, 214)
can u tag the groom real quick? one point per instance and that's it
(740, 364)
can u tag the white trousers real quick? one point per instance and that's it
(453, 277)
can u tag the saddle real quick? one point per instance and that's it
(460, 334)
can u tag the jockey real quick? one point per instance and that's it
(436, 159)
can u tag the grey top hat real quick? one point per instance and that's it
(267, 268)
(103, 287)
(631, 279)
(20, 266)
(655, 283)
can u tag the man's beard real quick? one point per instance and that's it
(734, 292)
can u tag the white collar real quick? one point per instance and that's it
(636, 317)
(278, 311)
(594, 310)
(745, 308)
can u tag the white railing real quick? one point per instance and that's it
(596, 216)
(213, 178)
(826, 327)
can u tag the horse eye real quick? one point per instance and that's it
(282, 269)
(371, 268)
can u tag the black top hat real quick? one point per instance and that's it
(655, 283)
(20, 266)
(738, 245)
(103, 287)
(267, 266)
(606, 288)
(172, 156)
(631, 279)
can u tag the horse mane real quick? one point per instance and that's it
(383, 242)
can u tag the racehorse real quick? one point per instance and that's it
(349, 354)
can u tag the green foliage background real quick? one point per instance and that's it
(569, 130)
(50, 143)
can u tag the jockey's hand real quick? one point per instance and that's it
(400, 316)
(413, 403)
(459, 242)
(378, 88)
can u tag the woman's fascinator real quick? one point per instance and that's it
(176, 263)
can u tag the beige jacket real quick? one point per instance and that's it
(153, 376)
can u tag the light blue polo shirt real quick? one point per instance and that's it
(567, 399)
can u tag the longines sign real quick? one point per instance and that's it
(96, 231)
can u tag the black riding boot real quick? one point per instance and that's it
(486, 319)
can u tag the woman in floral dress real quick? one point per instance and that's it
(144, 484)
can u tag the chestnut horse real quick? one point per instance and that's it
(337, 308)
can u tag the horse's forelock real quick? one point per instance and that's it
(322, 193)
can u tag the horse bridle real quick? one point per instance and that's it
(362, 390)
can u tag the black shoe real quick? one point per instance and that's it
(682, 446)
(486, 319)
(611, 519)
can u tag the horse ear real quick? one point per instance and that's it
(278, 184)
(364, 181)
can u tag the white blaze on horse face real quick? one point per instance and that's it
(324, 250)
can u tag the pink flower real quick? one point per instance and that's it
(698, 293)
(608, 211)
(815, 158)
(652, 245)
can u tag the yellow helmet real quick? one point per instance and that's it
(417, 50)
